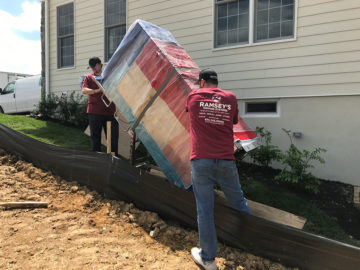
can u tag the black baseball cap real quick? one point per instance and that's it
(208, 75)
(93, 61)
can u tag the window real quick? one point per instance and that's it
(232, 22)
(261, 108)
(252, 21)
(274, 19)
(65, 32)
(9, 88)
(115, 25)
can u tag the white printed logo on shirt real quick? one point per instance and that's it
(216, 98)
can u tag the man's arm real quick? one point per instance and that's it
(88, 91)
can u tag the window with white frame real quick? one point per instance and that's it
(232, 22)
(65, 33)
(240, 22)
(257, 108)
(115, 25)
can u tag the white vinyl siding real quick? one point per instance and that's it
(324, 59)
(89, 41)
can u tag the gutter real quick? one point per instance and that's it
(47, 67)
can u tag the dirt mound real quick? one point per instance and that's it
(82, 230)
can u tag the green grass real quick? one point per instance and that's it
(318, 222)
(47, 132)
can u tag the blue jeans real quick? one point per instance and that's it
(204, 173)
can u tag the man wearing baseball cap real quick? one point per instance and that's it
(212, 113)
(98, 112)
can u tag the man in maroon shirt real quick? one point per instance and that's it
(212, 113)
(98, 112)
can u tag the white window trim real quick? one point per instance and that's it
(243, 113)
(251, 30)
(67, 68)
(57, 46)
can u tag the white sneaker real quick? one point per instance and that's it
(195, 253)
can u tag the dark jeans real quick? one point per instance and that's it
(97, 122)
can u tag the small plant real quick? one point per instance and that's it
(297, 163)
(72, 110)
(68, 110)
(47, 107)
(266, 153)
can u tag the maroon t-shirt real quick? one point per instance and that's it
(95, 103)
(212, 113)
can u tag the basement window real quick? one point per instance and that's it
(261, 108)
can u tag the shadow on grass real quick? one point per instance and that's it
(59, 135)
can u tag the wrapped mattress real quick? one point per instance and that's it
(148, 78)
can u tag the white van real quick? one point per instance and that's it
(21, 95)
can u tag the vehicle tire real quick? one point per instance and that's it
(1, 110)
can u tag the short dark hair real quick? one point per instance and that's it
(209, 76)
(93, 61)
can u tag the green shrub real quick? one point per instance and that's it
(72, 110)
(47, 107)
(68, 110)
(297, 163)
(266, 153)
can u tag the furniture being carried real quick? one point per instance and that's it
(148, 78)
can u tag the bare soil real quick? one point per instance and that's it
(82, 230)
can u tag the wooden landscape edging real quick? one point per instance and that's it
(261, 210)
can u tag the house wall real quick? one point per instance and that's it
(324, 54)
(89, 41)
(322, 60)
(327, 122)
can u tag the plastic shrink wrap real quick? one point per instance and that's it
(148, 78)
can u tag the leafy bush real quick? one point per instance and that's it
(68, 110)
(297, 163)
(72, 110)
(47, 107)
(266, 153)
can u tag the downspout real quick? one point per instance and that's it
(47, 67)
